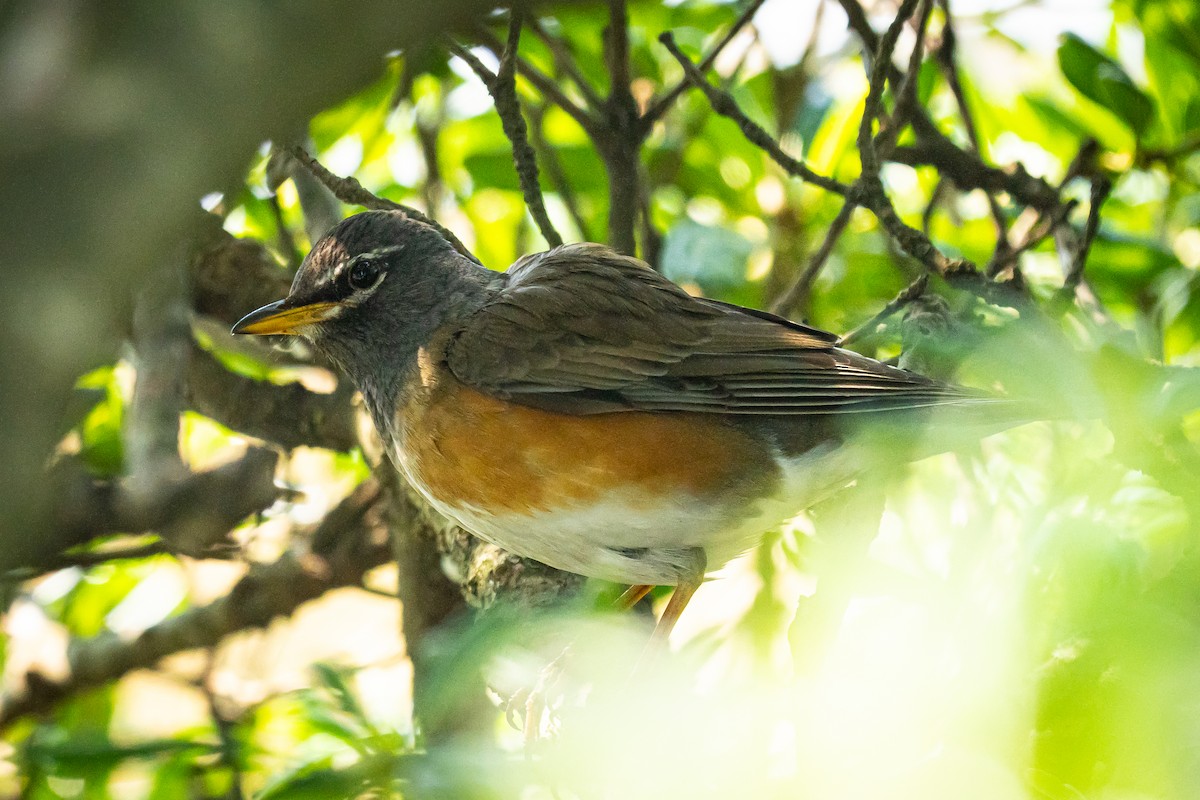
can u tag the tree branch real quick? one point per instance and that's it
(542, 82)
(947, 60)
(350, 541)
(796, 295)
(870, 187)
(1101, 187)
(350, 191)
(906, 296)
(659, 105)
(725, 105)
(288, 415)
(503, 89)
(564, 61)
(556, 173)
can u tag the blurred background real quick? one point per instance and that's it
(214, 587)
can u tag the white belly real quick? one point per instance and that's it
(647, 540)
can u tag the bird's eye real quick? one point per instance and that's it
(364, 274)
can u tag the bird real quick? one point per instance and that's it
(581, 410)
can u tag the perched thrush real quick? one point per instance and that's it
(582, 410)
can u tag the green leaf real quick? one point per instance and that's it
(101, 448)
(1102, 80)
(336, 682)
(705, 255)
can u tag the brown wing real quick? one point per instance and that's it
(583, 330)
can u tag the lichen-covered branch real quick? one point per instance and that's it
(350, 541)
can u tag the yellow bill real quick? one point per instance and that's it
(278, 318)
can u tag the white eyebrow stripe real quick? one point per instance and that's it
(382, 252)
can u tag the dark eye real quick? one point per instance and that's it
(364, 274)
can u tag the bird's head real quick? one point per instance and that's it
(372, 292)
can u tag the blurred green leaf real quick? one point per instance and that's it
(707, 256)
(335, 681)
(101, 446)
(1102, 80)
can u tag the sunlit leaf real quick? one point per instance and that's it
(1102, 80)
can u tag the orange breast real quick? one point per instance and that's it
(467, 447)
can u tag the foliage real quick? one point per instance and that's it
(1014, 620)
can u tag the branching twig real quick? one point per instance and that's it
(933, 147)
(870, 187)
(504, 91)
(1101, 187)
(541, 81)
(905, 100)
(348, 543)
(724, 105)
(947, 60)
(906, 296)
(796, 295)
(659, 105)
(1042, 225)
(318, 204)
(564, 62)
(350, 191)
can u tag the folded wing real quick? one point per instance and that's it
(582, 330)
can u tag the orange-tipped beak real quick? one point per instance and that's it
(277, 317)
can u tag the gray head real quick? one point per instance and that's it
(370, 294)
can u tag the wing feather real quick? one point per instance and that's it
(581, 329)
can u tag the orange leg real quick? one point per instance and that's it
(632, 596)
(689, 582)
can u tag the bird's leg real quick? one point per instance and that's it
(691, 575)
(632, 596)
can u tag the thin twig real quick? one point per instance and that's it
(1101, 187)
(287, 242)
(946, 57)
(935, 197)
(935, 149)
(540, 80)
(1188, 145)
(555, 171)
(659, 105)
(906, 296)
(879, 73)
(350, 191)
(652, 238)
(905, 96)
(725, 105)
(1043, 225)
(870, 188)
(796, 295)
(564, 62)
(90, 558)
(503, 88)
(345, 546)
